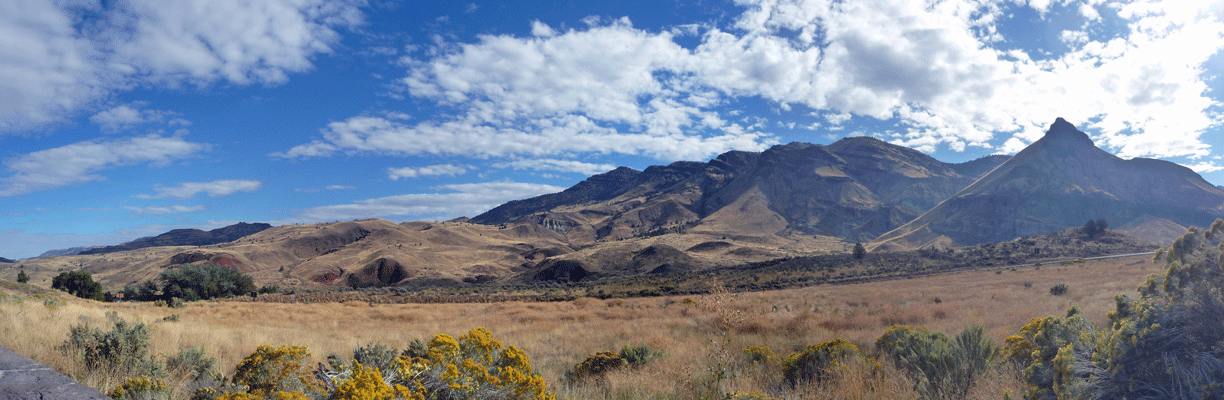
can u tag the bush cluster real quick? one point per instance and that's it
(192, 283)
(598, 364)
(123, 355)
(1162, 345)
(818, 361)
(941, 367)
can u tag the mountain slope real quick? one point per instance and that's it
(1061, 181)
(186, 237)
(856, 189)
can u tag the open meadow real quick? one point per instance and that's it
(702, 337)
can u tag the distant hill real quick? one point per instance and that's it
(67, 252)
(1156, 230)
(185, 237)
(1060, 181)
(5, 260)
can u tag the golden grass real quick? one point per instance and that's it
(706, 334)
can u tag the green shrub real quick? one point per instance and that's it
(79, 284)
(640, 355)
(416, 349)
(171, 318)
(595, 366)
(193, 364)
(121, 352)
(160, 303)
(376, 355)
(269, 290)
(816, 362)
(1059, 289)
(22, 277)
(940, 367)
(175, 302)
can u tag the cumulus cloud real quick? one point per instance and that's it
(83, 161)
(459, 199)
(60, 57)
(219, 188)
(934, 68)
(432, 170)
(548, 164)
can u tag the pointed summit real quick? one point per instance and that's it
(1064, 133)
(1059, 182)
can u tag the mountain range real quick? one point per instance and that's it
(185, 237)
(741, 207)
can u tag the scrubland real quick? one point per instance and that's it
(703, 337)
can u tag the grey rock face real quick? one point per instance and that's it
(22, 378)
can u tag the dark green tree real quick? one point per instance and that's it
(79, 284)
(203, 282)
(859, 251)
(22, 277)
(1094, 228)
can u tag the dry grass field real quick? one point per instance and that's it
(700, 335)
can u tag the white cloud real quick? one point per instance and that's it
(548, 164)
(432, 170)
(81, 162)
(60, 57)
(612, 88)
(339, 187)
(544, 136)
(117, 118)
(463, 199)
(542, 30)
(219, 188)
(127, 116)
(159, 210)
(1205, 166)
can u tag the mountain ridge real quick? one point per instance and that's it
(185, 237)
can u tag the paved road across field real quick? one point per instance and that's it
(21, 378)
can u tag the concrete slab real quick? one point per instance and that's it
(22, 378)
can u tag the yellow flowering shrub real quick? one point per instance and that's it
(759, 354)
(277, 372)
(817, 361)
(141, 387)
(368, 384)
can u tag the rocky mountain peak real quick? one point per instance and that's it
(1064, 133)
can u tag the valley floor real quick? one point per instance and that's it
(699, 334)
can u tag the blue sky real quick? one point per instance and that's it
(123, 119)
